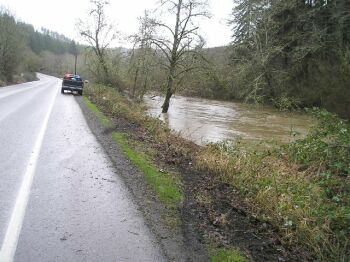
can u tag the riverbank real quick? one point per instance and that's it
(266, 203)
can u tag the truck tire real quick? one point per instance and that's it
(62, 91)
(80, 92)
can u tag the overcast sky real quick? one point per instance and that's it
(61, 16)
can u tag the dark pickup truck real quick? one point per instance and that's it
(72, 83)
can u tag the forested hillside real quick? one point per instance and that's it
(289, 54)
(24, 50)
(292, 53)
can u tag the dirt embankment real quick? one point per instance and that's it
(213, 215)
(171, 239)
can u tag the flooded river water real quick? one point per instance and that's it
(203, 120)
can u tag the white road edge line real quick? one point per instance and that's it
(9, 246)
(23, 89)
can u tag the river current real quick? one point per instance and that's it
(204, 121)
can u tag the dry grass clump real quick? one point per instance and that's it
(278, 192)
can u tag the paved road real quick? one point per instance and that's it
(60, 199)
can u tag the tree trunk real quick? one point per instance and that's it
(100, 55)
(165, 106)
(133, 91)
(169, 93)
(75, 64)
(144, 88)
(173, 61)
(106, 79)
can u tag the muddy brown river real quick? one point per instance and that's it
(204, 121)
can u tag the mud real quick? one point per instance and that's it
(213, 214)
(171, 239)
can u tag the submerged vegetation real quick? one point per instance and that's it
(301, 188)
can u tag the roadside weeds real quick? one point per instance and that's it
(266, 186)
(102, 118)
(166, 185)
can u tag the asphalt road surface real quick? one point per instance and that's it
(60, 198)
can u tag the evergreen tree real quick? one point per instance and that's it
(10, 46)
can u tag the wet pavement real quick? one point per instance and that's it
(78, 208)
(203, 120)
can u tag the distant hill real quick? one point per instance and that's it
(26, 50)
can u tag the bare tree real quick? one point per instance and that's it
(98, 32)
(140, 56)
(179, 43)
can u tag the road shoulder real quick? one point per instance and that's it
(155, 213)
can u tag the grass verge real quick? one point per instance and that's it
(302, 189)
(227, 255)
(166, 186)
(101, 117)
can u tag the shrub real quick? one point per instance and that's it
(327, 146)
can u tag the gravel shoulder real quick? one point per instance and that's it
(171, 239)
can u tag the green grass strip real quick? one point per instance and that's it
(103, 119)
(165, 185)
(228, 255)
